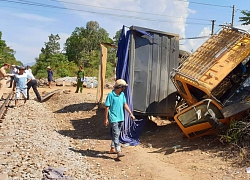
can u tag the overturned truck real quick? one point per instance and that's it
(214, 83)
(203, 91)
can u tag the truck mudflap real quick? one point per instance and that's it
(235, 109)
(204, 117)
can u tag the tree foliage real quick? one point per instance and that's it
(81, 48)
(52, 46)
(117, 37)
(7, 54)
(246, 18)
(51, 56)
(83, 41)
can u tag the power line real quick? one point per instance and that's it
(62, 1)
(200, 37)
(125, 10)
(134, 17)
(205, 4)
(29, 3)
(35, 10)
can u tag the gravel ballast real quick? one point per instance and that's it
(30, 142)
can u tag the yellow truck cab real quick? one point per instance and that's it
(214, 83)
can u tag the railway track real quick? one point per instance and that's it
(5, 105)
(6, 102)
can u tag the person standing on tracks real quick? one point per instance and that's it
(50, 76)
(114, 114)
(32, 83)
(3, 75)
(80, 79)
(28, 69)
(13, 71)
(20, 85)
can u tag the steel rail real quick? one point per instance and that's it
(4, 106)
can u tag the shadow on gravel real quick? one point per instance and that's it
(77, 107)
(93, 153)
(88, 128)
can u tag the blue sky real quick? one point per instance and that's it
(27, 24)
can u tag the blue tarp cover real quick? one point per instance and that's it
(131, 128)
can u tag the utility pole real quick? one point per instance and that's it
(232, 23)
(212, 27)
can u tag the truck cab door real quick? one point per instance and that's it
(200, 119)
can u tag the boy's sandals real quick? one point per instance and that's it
(112, 151)
(119, 154)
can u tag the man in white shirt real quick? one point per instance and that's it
(33, 84)
(13, 71)
(28, 69)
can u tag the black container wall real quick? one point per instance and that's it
(151, 61)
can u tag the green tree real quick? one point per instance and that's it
(7, 55)
(74, 46)
(246, 18)
(53, 46)
(83, 47)
(117, 36)
(83, 41)
(51, 56)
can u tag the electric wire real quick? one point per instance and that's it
(205, 4)
(94, 12)
(30, 3)
(126, 10)
(125, 16)
(39, 4)
(199, 37)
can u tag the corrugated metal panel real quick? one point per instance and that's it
(151, 61)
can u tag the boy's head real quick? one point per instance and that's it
(21, 69)
(120, 84)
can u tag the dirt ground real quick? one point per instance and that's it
(202, 158)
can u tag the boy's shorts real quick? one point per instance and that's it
(19, 91)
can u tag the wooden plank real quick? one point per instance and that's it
(46, 96)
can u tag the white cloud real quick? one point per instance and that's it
(194, 44)
(32, 30)
(171, 14)
(33, 17)
(247, 28)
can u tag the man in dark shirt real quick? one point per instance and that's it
(80, 79)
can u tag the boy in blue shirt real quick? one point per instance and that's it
(20, 84)
(114, 114)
